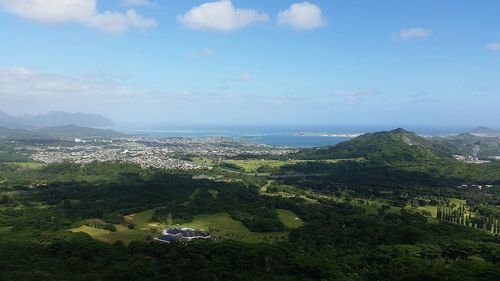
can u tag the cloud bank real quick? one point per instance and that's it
(32, 85)
(77, 11)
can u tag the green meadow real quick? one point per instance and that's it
(221, 225)
(31, 165)
(122, 233)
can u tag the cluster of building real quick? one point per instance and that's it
(182, 235)
(470, 159)
(169, 153)
(478, 187)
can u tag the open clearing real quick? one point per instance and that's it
(252, 165)
(289, 218)
(5, 229)
(221, 225)
(141, 220)
(122, 234)
(225, 227)
(31, 165)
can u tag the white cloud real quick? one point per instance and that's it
(205, 52)
(78, 11)
(220, 16)
(115, 22)
(245, 77)
(423, 97)
(413, 33)
(493, 46)
(302, 16)
(131, 3)
(28, 85)
(353, 96)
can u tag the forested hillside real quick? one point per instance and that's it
(338, 241)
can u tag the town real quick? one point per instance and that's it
(166, 153)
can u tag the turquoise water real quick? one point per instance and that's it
(260, 136)
(289, 136)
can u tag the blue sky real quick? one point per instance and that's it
(333, 62)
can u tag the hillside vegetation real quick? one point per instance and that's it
(398, 145)
(395, 158)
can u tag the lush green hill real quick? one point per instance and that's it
(464, 144)
(394, 158)
(396, 145)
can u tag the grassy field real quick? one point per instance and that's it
(31, 165)
(223, 226)
(433, 209)
(5, 229)
(289, 218)
(141, 220)
(141, 231)
(213, 192)
(122, 234)
(251, 166)
(203, 161)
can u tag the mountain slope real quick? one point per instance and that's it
(54, 119)
(484, 131)
(69, 131)
(393, 158)
(77, 132)
(396, 145)
(464, 144)
(7, 133)
(7, 120)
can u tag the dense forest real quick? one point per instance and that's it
(337, 242)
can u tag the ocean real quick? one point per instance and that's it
(277, 137)
(285, 136)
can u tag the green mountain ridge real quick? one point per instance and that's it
(54, 119)
(465, 143)
(77, 131)
(392, 158)
(69, 131)
(395, 145)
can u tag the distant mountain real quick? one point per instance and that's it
(68, 131)
(75, 131)
(8, 133)
(8, 121)
(484, 131)
(465, 143)
(54, 119)
(396, 145)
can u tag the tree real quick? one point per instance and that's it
(5, 200)
(170, 221)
